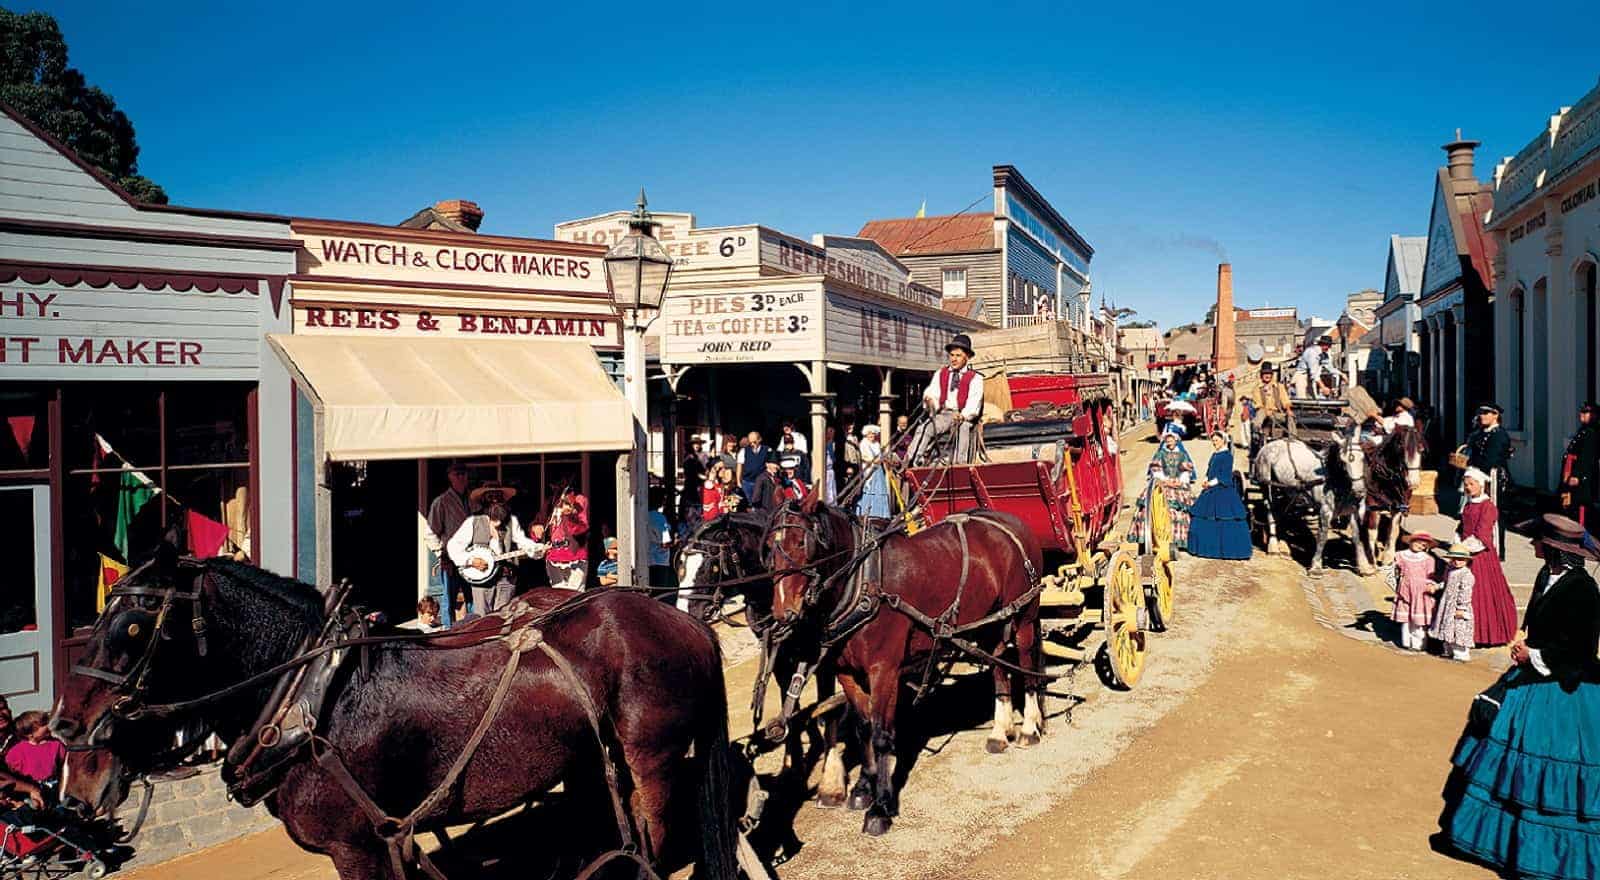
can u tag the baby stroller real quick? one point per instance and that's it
(40, 847)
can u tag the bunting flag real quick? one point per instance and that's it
(111, 571)
(135, 491)
(22, 430)
(206, 535)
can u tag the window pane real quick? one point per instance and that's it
(213, 505)
(125, 414)
(17, 609)
(25, 440)
(92, 506)
(207, 424)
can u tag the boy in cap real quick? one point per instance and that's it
(954, 399)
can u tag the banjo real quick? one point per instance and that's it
(475, 577)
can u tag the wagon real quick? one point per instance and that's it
(1054, 463)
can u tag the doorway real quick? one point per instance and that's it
(27, 626)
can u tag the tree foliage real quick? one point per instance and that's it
(36, 81)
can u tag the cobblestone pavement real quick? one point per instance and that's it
(1276, 733)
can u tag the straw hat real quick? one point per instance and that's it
(489, 493)
(1424, 537)
(1458, 551)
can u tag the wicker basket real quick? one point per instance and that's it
(1458, 459)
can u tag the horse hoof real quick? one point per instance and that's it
(875, 825)
(859, 802)
(1028, 739)
(994, 746)
(830, 801)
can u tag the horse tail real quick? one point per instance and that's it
(718, 837)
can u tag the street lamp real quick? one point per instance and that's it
(637, 268)
(1345, 323)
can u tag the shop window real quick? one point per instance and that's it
(25, 438)
(955, 283)
(1519, 369)
(18, 611)
(145, 462)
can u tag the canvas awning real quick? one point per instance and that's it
(387, 398)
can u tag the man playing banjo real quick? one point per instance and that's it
(955, 401)
(481, 545)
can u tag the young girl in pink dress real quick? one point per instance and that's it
(1415, 591)
(1494, 611)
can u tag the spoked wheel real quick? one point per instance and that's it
(1162, 581)
(1124, 599)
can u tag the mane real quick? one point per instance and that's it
(1338, 476)
(302, 599)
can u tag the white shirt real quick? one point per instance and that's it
(1401, 418)
(871, 451)
(461, 541)
(1314, 361)
(974, 407)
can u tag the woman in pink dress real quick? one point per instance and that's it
(1494, 611)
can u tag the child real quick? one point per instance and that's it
(37, 755)
(607, 571)
(1415, 591)
(427, 616)
(1452, 621)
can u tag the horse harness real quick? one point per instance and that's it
(287, 725)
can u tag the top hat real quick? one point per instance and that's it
(1268, 367)
(491, 493)
(790, 461)
(961, 341)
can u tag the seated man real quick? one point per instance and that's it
(955, 400)
(1316, 372)
(1274, 416)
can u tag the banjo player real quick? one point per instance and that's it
(496, 530)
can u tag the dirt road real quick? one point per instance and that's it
(1267, 739)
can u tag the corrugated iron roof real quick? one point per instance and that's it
(952, 233)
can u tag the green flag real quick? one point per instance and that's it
(135, 491)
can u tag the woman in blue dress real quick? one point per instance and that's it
(1524, 795)
(1219, 527)
(874, 503)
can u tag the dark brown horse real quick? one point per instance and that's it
(400, 716)
(878, 600)
(1393, 469)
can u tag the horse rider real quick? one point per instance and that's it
(1580, 466)
(954, 399)
(1489, 449)
(1314, 367)
(1274, 415)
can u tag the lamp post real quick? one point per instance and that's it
(637, 268)
(1345, 323)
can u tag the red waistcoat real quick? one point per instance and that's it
(963, 385)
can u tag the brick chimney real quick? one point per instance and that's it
(1223, 353)
(461, 211)
(1460, 158)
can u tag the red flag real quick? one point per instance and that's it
(206, 535)
(22, 429)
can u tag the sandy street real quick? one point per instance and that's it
(1270, 737)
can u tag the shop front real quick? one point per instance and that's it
(132, 385)
(415, 349)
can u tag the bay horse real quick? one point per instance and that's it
(1332, 482)
(398, 716)
(1394, 468)
(876, 600)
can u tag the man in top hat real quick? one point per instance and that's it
(498, 530)
(954, 399)
(1311, 378)
(1580, 467)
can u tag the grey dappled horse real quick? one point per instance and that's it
(1332, 482)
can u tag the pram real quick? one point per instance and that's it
(36, 852)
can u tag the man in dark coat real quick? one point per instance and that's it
(1580, 468)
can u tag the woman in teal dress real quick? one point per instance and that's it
(1219, 527)
(1173, 469)
(1524, 795)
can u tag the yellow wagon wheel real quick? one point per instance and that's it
(1124, 598)
(1161, 553)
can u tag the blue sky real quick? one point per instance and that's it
(1296, 137)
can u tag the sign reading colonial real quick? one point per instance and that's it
(52, 331)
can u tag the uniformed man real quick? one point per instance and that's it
(1489, 448)
(1580, 467)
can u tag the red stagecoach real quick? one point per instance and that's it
(1053, 461)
